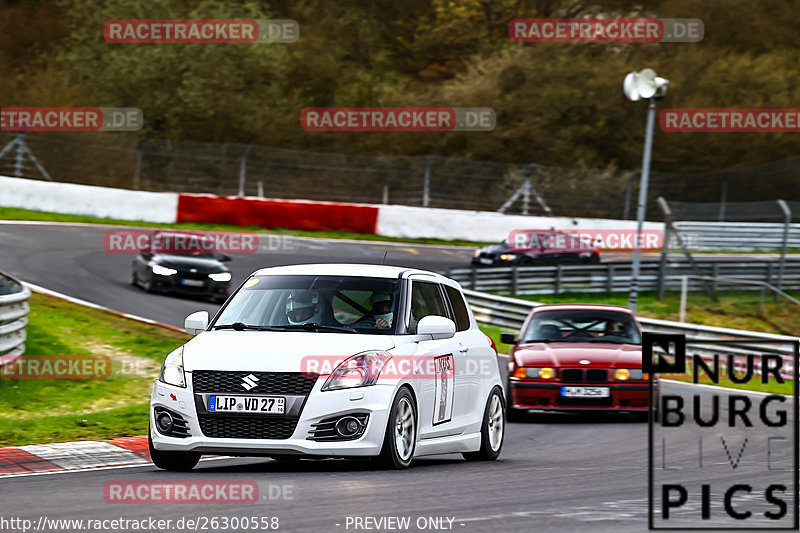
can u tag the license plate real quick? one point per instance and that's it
(585, 392)
(275, 405)
(484, 260)
(192, 282)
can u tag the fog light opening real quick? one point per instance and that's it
(165, 422)
(348, 426)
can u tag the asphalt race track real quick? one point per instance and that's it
(70, 259)
(556, 473)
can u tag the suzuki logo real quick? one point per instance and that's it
(249, 382)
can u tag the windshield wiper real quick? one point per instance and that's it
(313, 326)
(241, 326)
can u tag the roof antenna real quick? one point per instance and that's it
(384, 257)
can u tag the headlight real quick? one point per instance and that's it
(220, 276)
(163, 271)
(535, 372)
(360, 370)
(508, 257)
(623, 374)
(477, 253)
(172, 369)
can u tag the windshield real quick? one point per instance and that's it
(314, 303)
(573, 325)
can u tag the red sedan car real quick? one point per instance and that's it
(576, 357)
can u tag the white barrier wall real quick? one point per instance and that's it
(393, 220)
(451, 224)
(88, 200)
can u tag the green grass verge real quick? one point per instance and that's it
(13, 213)
(53, 410)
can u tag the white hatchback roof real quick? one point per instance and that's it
(349, 269)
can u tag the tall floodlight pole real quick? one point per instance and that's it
(644, 85)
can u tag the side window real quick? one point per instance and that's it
(459, 307)
(425, 300)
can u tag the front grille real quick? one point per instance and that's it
(579, 375)
(267, 382)
(247, 427)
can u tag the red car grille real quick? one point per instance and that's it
(580, 375)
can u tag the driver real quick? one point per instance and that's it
(302, 307)
(381, 303)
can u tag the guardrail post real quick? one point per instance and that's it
(473, 279)
(787, 213)
(558, 280)
(137, 169)
(761, 301)
(610, 278)
(514, 280)
(662, 265)
(769, 273)
(714, 273)
(243, 169)
(426, 182)
(684, 290)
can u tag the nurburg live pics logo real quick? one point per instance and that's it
(734, 463)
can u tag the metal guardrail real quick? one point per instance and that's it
(743, 236)
(511, 312)
(13, 317)
(616, 277)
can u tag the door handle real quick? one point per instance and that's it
(463, 348)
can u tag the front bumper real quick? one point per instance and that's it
(375, 400)
(174, 283)
(539, 396)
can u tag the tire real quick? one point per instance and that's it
(400, 439)
(134, 279)
(174, 461)
(492, 429)
(147, 285)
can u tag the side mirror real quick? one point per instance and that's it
(196, 322)
(438, 327)
(223, 258)
(508, 338)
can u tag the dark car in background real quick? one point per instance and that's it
(156, 269)
(502, 254)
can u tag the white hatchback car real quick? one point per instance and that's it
(331, 361)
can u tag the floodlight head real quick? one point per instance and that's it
(644, 85)
(629, 86)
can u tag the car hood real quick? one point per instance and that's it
(495, 248)
(267, 351)
(558, 354)
(185, 262)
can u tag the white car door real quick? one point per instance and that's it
(442, 391)
(477, 360)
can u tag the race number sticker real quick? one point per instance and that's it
(444, 374)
